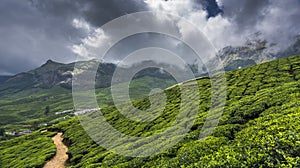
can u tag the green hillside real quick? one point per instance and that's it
(24, 97)
(27, 151)
(26, 109)
(259, 126)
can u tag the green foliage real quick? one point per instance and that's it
(36, 106)
(31, 150)
(22, 109)
(259, 126)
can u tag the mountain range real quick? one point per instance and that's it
(57, 74)
(25, 96)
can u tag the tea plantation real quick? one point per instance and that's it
(28, 150)
(260, 126)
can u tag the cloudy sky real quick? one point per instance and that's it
(33, 31)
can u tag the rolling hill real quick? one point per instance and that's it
(25, 96)
(259, 126)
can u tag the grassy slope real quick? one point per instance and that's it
(27, 151)
(20, 109)
(259, 127)
(27, 107)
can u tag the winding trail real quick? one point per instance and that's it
(58, 161)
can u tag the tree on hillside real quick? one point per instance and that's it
(34, 125)
(2, 132)
(47, 110)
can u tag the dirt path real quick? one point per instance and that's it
(61, 157)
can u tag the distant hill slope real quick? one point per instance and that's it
(4, 78)
(52, 74)
(28, 106)
(47, 76)
(259, 126)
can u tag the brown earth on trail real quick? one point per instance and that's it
(58, 161)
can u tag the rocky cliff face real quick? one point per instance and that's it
(243, 56)
(254, 52)
(51, 74)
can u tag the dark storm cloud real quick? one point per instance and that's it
(277, 21)
(29, 37)
(100, 12)
(33, 31)
(245, 13)
(96, 12)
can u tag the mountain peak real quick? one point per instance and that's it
(50, 62)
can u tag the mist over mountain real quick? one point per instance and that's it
(52, 73)
(255, 51)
